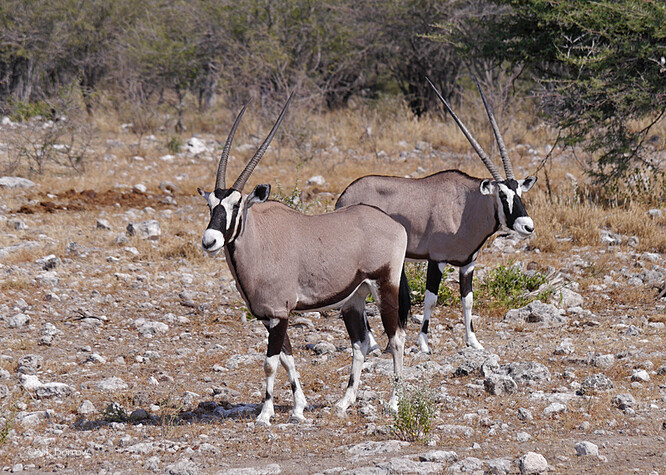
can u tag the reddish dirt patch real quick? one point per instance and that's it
(85, 200)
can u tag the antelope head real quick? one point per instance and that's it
(228, 206)
(508, 192)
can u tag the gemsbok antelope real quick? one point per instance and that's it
(449, 216)
(284, 261)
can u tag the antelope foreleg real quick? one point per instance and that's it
(467, 298)
(433, 279)
(277, 331)
(288, 363)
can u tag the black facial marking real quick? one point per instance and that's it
(518, 210)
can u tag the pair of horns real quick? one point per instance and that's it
(490, 165)
(249, 168)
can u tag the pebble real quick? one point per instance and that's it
(586, 448)
(532, 463)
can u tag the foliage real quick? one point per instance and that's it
(509, 287)
(416, 410)
(37, 143)
(416, 276)
(600, 66)
(22, 110)
(175, 144)
(115, 412)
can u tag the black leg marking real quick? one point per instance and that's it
(433, 277)
(277, 337)
(424, 328)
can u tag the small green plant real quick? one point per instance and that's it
(291, 198)
(416, 411)
(175, 144)
(416, 276)
(509, 287)
(22, 111)
(115, 412)
(7, 425)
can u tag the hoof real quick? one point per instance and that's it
(296, 419)
(422, 342)
(474, 343)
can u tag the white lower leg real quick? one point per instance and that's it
(470, 337)
(359, 350)
(429, 303)
(397, 344)
(299, 398)
(267, 411)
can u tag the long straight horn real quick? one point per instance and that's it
(222, 168)
(240, 182)
(492, 168)
(508, 168)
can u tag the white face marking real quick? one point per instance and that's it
(524, 225)
(509, 195)
(213, 240)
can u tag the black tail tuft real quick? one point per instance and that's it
(404, 300)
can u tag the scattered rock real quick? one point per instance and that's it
(565, 348)
(195, 146)
(654, 213)
(316, 180)
(103, 224)
(596, 382)
(49, 262)
(365, 449)
(586, 448)
(523, 437)
(50, 390)
(149, 329)
(270, 469)
(29, 382)
(525, 372)
(139, 415)
(18, 321)
(554, 408)
(183, 467)
(30, 364)
(532, 463)
(48, 334)
(439, 456)
(524, 414)
(115, 412)
(609, 238)
(567, 298)
(323, 348)
(467, 465)
(499, 466)
(604, 361)
(149, 229)
(48, 279)
(497, 384)
(86, 408)
(640, 375)
(546, 315)
(111, 384)
(15, 182)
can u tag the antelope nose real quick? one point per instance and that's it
(529, 228)
(208, 244)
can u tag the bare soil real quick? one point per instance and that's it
(212, 351)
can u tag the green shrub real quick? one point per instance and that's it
(22, 111)
(416, 410)
(416, 276)
(175, 144)
(509, 287)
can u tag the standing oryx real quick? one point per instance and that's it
(283, 260)
(448, 216)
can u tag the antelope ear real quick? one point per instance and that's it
(203, 193)
(487, 187)
(527, 183)
(259, 194)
